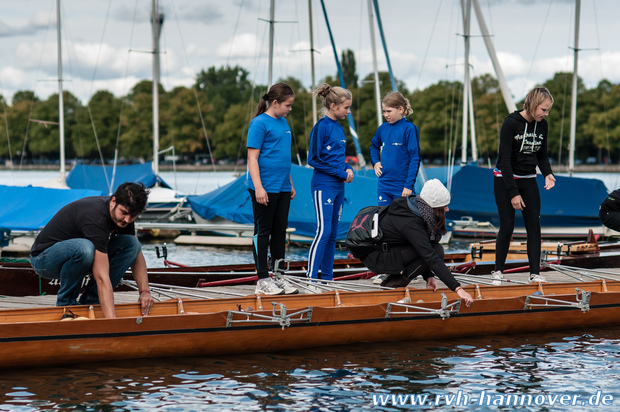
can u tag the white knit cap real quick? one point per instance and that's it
(435, 194)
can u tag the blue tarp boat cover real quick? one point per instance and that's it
(233, 202)
(572, 202)
(30, 208)
(93, 177)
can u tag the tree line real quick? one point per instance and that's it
(210, 119)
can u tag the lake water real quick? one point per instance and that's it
(579, 366)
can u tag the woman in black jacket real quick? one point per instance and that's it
(609, 212)
(412, 229)
(522, 148)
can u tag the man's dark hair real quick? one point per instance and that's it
(133, 196)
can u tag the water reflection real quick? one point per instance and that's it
(332, 379)
(213, 255)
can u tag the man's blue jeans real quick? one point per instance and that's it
(72, 260)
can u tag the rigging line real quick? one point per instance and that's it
(563, 118)
(254, 75)
(451, 141)
(428, 45)
(497, 117)
(249, 112)
(284, 63)
(92, 120)
(536, 48)
(200, 113)
(317, 40)
(120, 114)
(167, 99)
(598, 47)
(260, 49)
(566, 79)
(481, 125)
(6, 124)
(75, 62)
(234, 33)
(72, 58)
(490, 16)
(105, 24)
(385, 48)
(303, 101)
(90, 94)
(291, 119)
(31, 110)
(497, 129)
(445, 126)
(352, 131)
(359, 53)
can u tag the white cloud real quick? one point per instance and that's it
(42, 19)
(243, 45)
(219, 32)
(13, 79)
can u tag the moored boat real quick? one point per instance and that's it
(38, 337)
(19, 279)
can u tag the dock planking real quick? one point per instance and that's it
(161, 294)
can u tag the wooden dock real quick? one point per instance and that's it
(161, 294)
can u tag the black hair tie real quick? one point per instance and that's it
(266, 97)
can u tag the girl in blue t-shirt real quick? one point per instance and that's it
(395, 150)
(270, 184)
(327, 156)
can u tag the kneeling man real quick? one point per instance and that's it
(94, 235)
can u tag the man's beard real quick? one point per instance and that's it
(118, 223)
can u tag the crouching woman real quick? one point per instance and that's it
(412, 227)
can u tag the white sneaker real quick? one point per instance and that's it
(537, 279)
(497, 275)
(286, 286)
(378, 279)
(268, 287)
(310, 288)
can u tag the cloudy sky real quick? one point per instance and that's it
(106, 42)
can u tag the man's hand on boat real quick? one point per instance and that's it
(146, 302)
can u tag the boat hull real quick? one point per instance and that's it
(19, 279)
(36, 337)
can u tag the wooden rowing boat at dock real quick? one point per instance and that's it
(19, 279)
(38, 337)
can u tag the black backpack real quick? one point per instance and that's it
(364, 230)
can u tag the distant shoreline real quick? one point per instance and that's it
(242, 168)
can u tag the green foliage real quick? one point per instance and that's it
(14, 122)
(216, 111)
(103, 111)
(349, 71)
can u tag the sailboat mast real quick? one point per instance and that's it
(573, 100)
(360, 157)
(314, 113)
(466, 83)
(374, 63)
(271, 23)
(501, 79)
(157, 20)
(472, 125)
(385, 50)
(61, 104)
